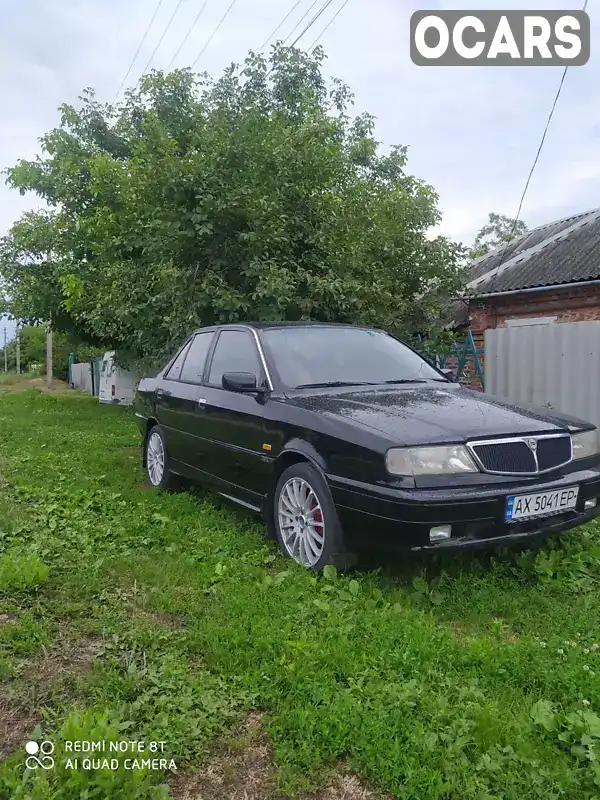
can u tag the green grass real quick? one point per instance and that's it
(10, 378)
(468, 677)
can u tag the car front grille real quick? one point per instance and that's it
(553, 451)
(515, 457)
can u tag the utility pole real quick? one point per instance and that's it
(5, 353)
(18, 350)
(49, 356)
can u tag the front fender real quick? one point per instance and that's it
(294, 447)
(303, 448)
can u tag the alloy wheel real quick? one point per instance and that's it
(301, 521)
(155, 458)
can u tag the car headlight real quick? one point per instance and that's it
(585, 444)
(451, 459)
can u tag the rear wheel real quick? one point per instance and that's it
(157, 461)
(306, 521)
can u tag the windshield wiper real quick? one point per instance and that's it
(407, 380)
(326, 384)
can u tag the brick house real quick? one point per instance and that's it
(547, 276)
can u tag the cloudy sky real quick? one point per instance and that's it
(472, 131)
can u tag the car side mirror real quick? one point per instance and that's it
(240, 382)
(449, 373)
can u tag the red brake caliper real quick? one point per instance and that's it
(317, 519)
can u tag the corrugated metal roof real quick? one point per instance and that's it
(565, 251)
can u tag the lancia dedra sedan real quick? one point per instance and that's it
(346, 440)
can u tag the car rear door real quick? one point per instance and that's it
(177, 407)
(232, 425)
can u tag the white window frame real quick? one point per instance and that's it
(521, 321)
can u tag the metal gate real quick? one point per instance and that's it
(96, 364)
(465, 362)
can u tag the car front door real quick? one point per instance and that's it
(177, 407)
(232, 425)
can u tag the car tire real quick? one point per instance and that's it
(156, 459)
(306, 522)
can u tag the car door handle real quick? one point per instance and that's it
(201, 402)
(163, 393)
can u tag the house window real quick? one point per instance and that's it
(520, 321)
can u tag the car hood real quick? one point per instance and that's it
(423, 414)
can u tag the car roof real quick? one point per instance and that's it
(284, 324)
(302, 324)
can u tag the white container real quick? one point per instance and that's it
(117, 385)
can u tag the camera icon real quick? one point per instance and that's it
(44, 760)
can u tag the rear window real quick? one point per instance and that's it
(193, 366)
(174, 372)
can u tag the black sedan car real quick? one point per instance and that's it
(345, 439)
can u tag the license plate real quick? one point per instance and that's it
(540, 504)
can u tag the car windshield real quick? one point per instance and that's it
(308, 357)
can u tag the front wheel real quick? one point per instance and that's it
(157, 461)
(306, 521)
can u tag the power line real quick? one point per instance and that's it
(283, 21)
(187, 36)
(323, 8)
(301, 20)
(210, 38)
(531, 171)
(306, 27)
(164, 33)
(137, 52)
(331, 21)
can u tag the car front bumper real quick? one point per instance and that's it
(382, 518)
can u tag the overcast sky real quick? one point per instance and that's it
(472, 131)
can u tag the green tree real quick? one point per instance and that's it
(32, 340)
(499, 230)
(193, 202)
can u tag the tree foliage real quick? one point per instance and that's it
(32, 342)
(499, 230)
(256, 196)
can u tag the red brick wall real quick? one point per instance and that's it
(567, 305)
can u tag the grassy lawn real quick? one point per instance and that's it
(130, 615)
(12, 378)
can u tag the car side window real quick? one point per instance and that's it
(193, 367)
(175, 369)
(235, 351)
